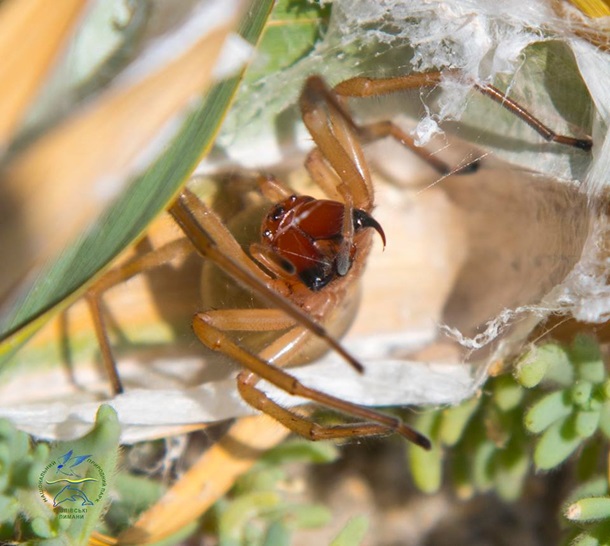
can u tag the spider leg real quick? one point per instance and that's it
(322, 174)
(297, 423)
(101, 332)
(273, 189)
(336, 136)
(545, 132)
(154, 258)
(247, 320)
(382, 129)
(369, 87)
(179, 248)
(194, 220)
(280, 352)
(257, 367)
(316, 161)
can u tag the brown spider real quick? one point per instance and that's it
(309, 260)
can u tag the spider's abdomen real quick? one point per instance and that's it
(307, 234)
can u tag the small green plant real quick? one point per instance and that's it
(258, 511)
(556, 403)
(22, 511)
(55, 495)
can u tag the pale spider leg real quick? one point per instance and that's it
(375, 131)
(336, 136)
(382, 129)
(218, 341)
(273, 189)
(272, 261)
(279, 352)
(369, 87)
(247, 320)
(323, 175)
(302, 425)
(545, 132)
(102, 338)
(240, 266)
(332, 131)
(215, 232)
(344, 261)
(179, 248)
(162, 255)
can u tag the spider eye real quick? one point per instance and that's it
(277, 213)
(267, 234)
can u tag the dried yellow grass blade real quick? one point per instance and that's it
(91, 154)
(31, 33)
(593, 8)
(210, 478)
(588, 19)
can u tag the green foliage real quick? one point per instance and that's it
(556, 404)
(33, 504)
(352, 533)
(259, 511)
(131, 496)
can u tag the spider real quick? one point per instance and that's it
(308, 261)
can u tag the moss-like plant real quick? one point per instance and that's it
(555, 404)
(55, 495)
(258, 512)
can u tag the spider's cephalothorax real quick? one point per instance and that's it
(313, 238)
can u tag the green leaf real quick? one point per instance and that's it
(146, 196)
(454, 420)
(41, 528)
(534, 363)
(586, 423)
(353, 533)
(585, 539)
(299, 450)
(278, 534)
(507, 393)
(557, 443)
(91, 461)
(604, 420)
(546, 411)
(581, 393)
(240, 511)
(596, 487)
(561, 369)
(461, 474)
(586, 355)
(427, 466)
(482, 465)
(306, 516)
(135, 494)
(589, 509)
(510, 469)
(293, 29)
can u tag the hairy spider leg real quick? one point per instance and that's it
(194, 219)
(333, 131)
(316, 163)
(361, 87)
(258, 367)
(247, 270)
(138, 264)
(210, 327)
